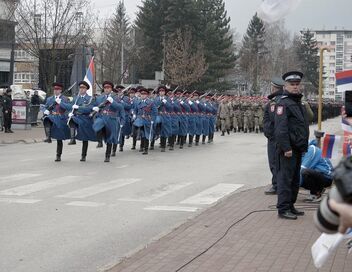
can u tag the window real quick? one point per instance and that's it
(23, 55)
(332, 78)
(348, 36)
(339, 55)
(332, 43)
(24, 77)
(332, 57)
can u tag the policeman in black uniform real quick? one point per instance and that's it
(291, 136)
(268, 127)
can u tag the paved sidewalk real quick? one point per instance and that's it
(260, 242)
(33, 135)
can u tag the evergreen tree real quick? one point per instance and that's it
(253, 50)
(117, 38)
(307, 52)
(218, 43)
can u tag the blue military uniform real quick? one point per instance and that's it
(185, 111)
(165, 109)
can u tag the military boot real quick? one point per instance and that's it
(72, 134)
(146, 145)
(108, 152)
(114, 148)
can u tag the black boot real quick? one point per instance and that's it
(141, 147)
(134, 142)
(172, 142)
(84, 151)
(72, 134)
(47, 130)
(163, 144)
(146, 145)
(197, 139)
(190, 140)
(203, 139)
(152, 145)
(178, 139)
(182, 141)
(100, 139)
(228, 131)
(114, 148)
(58, 150)
(108, 152)
(223, 133)
(122, 143)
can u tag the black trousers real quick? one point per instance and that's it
(7, 120)
(314, 181)
(271, 149)
(288, 177)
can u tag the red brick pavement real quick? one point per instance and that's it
(261, 242)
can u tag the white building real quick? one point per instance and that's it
(339, 57)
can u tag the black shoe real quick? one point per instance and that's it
(288, 215)
(72, 142)
(120, 149)
(145, 152)
(83, 158)
(171, 148)
(197, 143)
(189, 145)
(222, 133)
(10, 131)
(270, 191)
(48, 140)
(58, 158)
(181, 146)
(107, 159)
(113, 154)
(297, 212)
(162, 149)
(100, 145)
(228, 132)
(151, 148)
(133, 148)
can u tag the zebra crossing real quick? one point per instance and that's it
(38, 189)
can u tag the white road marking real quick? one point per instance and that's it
(39, 186)
(20, 201)
(163, 190)
(171, 208)
(85, 204)
(99, 188)
(212, 195)
(17, 177)
(122, 166)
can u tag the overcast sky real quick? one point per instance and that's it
(313, 14)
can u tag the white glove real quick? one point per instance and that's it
(190, 102)
(121, 126)
(197, 101)
(182, 102)
(164, 101)
(110, 99)
(96, 109)
(70, 114)
(58, 100)
(134, 116)
(75, 107)
(205, 104)
(46, 112)
(152, 122)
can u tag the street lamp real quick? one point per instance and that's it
(319, 133)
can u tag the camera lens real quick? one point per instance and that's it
(325, 218)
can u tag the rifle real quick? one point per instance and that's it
(101, 105)
(173, 92)
(204, 95)
(51, 107)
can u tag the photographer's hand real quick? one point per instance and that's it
(345, 212)
(288, 154)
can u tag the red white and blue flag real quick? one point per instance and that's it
(330, 146)
(344, 80)
(347, 144)
(89, 77)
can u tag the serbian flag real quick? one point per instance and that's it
(344, 80)
(274, 10)
(346, 126)
(347, 144)
(330, 146)
(89, 77)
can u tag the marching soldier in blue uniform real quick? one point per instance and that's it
(183, 117)
(175, 120)
(79, 120)
(199, 117)
(119, 97)
(212, 112)
(109, 118)
(55, 119)
(145, 114)
(205, 111)
(192, 119)
(165, 108)
(269, 129)
(291, 137)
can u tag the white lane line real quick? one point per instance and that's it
(171, 208)
(161, 191)
(16, 177)
(39, 186)
(85, 204)
(19, 201)
(26, 160)
(212, 195)
(122, 166)
(99, 188)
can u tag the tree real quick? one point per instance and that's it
(217, 37)
(307, 52)
(47, 28)
(117, 46)
(252, 51)
(184, 64)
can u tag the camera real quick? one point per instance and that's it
(325, 218)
